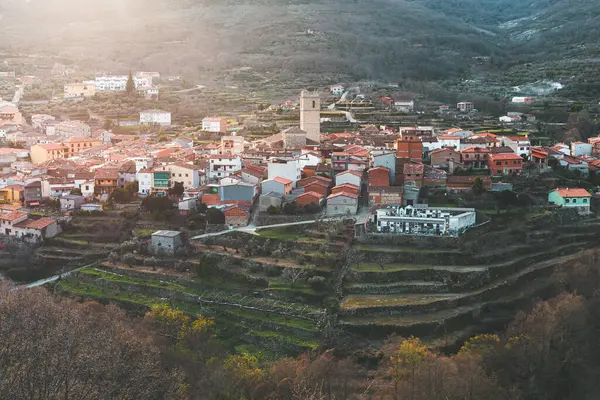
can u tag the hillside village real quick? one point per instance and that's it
(299, 172)
(337, 206)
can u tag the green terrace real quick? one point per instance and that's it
(243, 320)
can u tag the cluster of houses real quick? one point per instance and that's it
(376, 167)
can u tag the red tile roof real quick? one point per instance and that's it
(311, 194)
(505, 156)
(573, 192)
(36, 223)
(281, 180)
(52, 146)
(107, 173)
(12, 216)
(355, 173)
(475, 149)
(345, 194)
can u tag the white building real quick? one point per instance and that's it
(285, 168)
(449, 141)
(87, 188)
(144, 177)
(519, 144)
(579, 149)
(523, 99)
(422, 220)
(351, 177)
(214, 124)
(223, 165)
(337, 90)
(309, 158)
(404, 105)
(118, 83)
(465, 106)
(155, 117)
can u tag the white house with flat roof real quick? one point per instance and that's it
(155, 117)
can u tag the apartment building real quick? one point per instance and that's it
(223, 165)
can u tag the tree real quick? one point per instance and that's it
(404, 362)
(177, 189)
(506, 199)
(89, 352)
(290, 208)
(293, 275)
(215, 216)
(157, 204)
(382, 259)
(478, 187)
(129, 259)
(130, 86)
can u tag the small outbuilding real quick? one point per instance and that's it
(166, 242)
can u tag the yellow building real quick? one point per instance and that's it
(79, 90)
(75, 144)
(41, 153)
(12, 195)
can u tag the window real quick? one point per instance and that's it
(585, 200)
(314, 104)
(567, 201)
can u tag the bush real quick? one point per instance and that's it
(273, 210)
(151, 262)
(272, 271)
(317, 282)
(290, 208)
(182, 266)
(312, 209)
(129, 259)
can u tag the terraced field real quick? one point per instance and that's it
(273, 292)
(245, 316)
(270, 301)
(447, 294)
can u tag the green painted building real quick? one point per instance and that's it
(575, 198)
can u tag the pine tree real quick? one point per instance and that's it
(130, 87)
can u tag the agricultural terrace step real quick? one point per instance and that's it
(397, 287)
(372, 269)
(443, 321)
(371, 248)
(413, 304)
(187, 291)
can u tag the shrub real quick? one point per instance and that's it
(272, 271)
(273, 210)
(151, 262)
(129, 259)
(317, 282)
(182, 265)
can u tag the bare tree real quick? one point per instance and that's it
(293, 275)
(62, 349)
(382, 259)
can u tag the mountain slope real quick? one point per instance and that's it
(363, 38)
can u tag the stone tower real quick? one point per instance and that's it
(310, 115)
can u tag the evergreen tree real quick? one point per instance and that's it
(130, 87)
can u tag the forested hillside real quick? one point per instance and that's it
(362, 38)
(391, 39)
